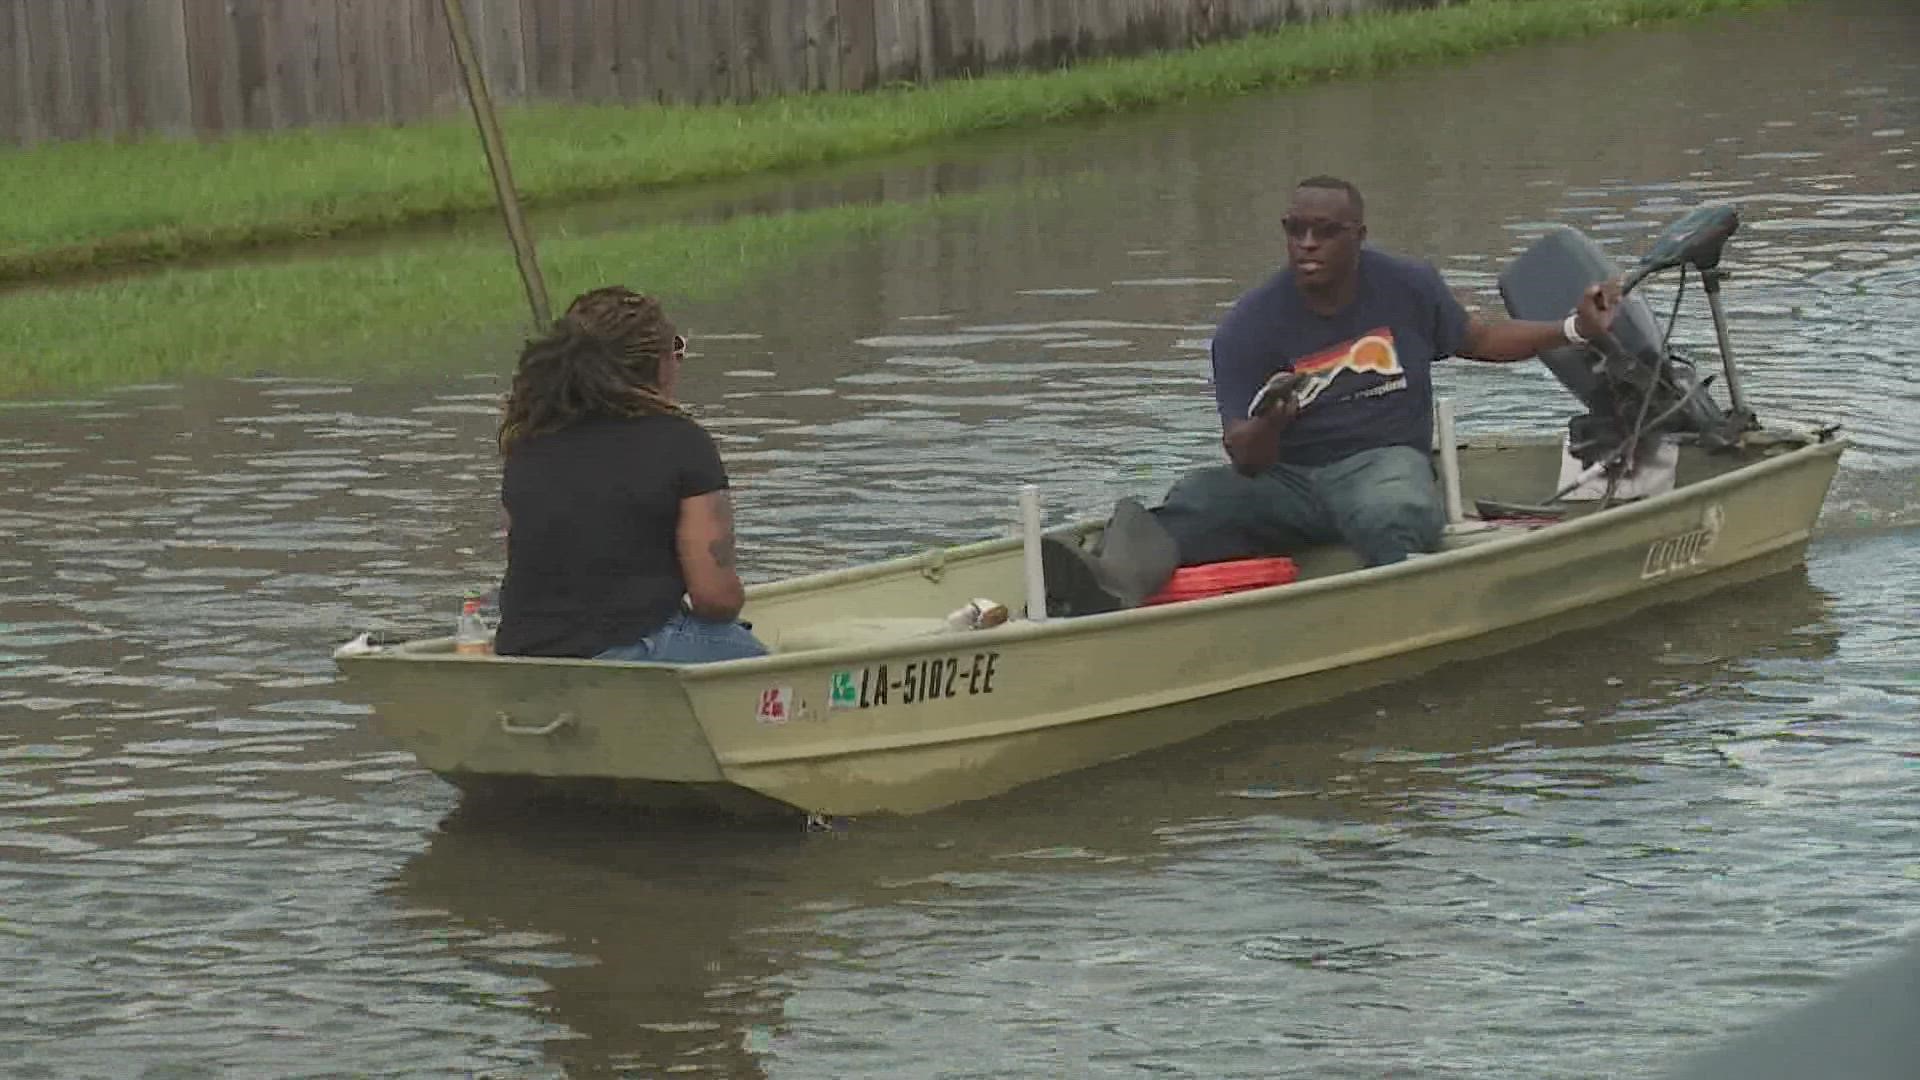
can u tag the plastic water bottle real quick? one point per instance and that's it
(470, 634)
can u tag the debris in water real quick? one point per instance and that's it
(817, 822)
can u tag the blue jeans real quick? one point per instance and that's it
(1383, 503)
(684, 639)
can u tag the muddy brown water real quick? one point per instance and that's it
(1585, 858)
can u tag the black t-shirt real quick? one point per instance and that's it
(592, 515)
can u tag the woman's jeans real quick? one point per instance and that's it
(687, 640)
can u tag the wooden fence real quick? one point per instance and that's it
(102, 68)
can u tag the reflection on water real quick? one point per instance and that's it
(648, 952)
(1571, 861)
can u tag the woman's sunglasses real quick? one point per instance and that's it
(1325, 230)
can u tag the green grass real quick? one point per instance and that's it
(74, 207)
(423, 306)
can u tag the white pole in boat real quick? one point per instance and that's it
(1030, 544)
(1449, 460)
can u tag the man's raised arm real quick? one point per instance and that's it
(1519, 339)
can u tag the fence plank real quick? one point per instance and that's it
(924, 17)
(953, 38)
(291, 28)
(247, 25)
(728, 30)
(366, 94)
(500, 48)
(151, 48)
(327, 90)
(1094, 27)
(213, 74)
(91, 60)
(1028, 35)
(595, 74)
(727, 26)
(1155, 27)
(17, 121)
(790, 50)
(549, 52)
(633, 71)
(1065, 32)
(786, 48)
(886, 40)
(648, 32)
(900, 46)
(993, 26)
(732, 24)
(821, 62)
(706, 68)
(407, 97)
(698, 64)
(282, 83)
(854, 41)
(50, 70)
(440, 89)
(507, 28)
(669, 77)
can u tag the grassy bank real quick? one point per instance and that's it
(422, 306)
(75, 207)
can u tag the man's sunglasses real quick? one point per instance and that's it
(679, 344)
(1325, 230)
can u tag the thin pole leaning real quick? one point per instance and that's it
(496, 148)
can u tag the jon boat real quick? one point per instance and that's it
(871, 703)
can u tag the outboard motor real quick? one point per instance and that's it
(1633, 386)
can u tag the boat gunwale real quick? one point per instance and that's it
(1021, 630)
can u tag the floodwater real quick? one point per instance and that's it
(1587, 858)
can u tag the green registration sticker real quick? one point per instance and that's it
(844, 691)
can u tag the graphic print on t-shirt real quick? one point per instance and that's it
(1372, 351)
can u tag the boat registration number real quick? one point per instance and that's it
(935, 678)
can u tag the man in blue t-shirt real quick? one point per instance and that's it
(1324, 381)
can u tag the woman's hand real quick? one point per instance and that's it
(704, 541)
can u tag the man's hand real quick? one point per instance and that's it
(1254, 445)
(1281, 390)
(1594, 315)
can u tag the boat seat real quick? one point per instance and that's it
(875, 630)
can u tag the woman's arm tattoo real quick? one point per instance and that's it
(722, 547)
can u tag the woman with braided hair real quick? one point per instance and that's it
(619, 526)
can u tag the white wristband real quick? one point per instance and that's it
(1568, 331)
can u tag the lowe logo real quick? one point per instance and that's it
(1675, 553)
